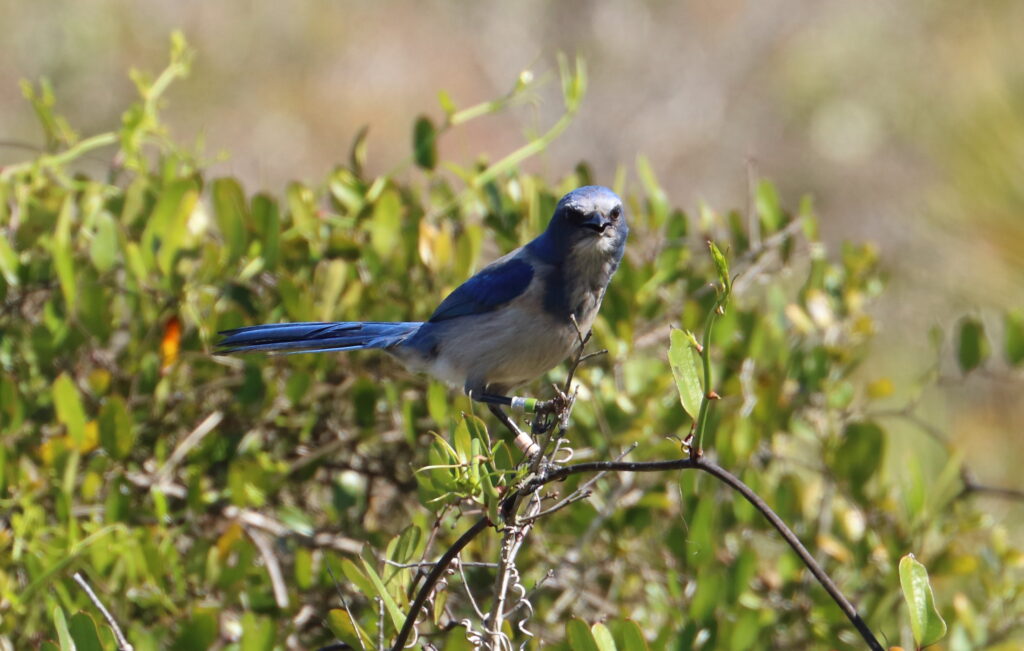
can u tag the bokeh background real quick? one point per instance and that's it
(904, 122)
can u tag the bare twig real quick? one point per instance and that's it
(186, 445)
(122, 641)
(273, 566)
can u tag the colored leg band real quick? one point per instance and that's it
(524, 405)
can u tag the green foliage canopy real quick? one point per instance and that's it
(180, 483)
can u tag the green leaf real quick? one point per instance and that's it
(424, 141)
(925, 620)
(63, 635)
(657, 201)
(168, 224)
(722, 266)
(397, 618)
(437, 402)
(266, 219)
(83, 632)
(104, 247)
(117, 431)
(358, 577)
(686, 370)
(603, 637)
(629, 635)
(63, 254)
(579, 637)
(972, 344)
(68, 405)
(766, 202)
(859, 454)
(199, 631)
(229, 208)
(386, 224)
(347, 630)
(446, 102)
(8, 262)
(258, 633)
(462, 441)
(1013, 337)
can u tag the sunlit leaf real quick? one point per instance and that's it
(766, 201)
(347, 630)
(397, 618)
(686, 370)
(68, 404)
(63, 255)
(63, 635)
(104, 248)
(925, 620)
(230, 210)
(603, 637)
(258, 633)
(8, 262)
(386, 224)
(721, 265)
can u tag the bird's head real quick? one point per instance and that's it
(589, 220)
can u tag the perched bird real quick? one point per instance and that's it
(513, 321)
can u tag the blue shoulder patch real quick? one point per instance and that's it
(494, 286)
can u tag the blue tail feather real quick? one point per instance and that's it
(314, 337)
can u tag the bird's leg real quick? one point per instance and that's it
(523, 440)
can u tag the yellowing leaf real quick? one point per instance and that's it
(170, 343)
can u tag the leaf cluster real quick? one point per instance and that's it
(132, 454)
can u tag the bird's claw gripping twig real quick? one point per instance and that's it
(553, 411)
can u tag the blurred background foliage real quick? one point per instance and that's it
(177, 482)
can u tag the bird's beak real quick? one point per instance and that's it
(596, 222)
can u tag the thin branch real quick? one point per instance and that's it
(192, 440)
(973, 487)
(273, 566)
(122, 641)
(699, 463)
(432, 579)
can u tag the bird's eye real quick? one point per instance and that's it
(573, 214)
(616, 212)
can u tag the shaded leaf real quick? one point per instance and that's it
(1013, 337)
(424, 142)
(117, 431)
(972, 344)
(579, 637)
(83, 632)
(859, 455)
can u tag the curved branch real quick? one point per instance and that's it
(698, 463)
(432, 579)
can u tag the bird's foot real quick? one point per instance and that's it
(554, 411)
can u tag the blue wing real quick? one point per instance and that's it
(494, 286)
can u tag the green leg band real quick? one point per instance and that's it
(524, 405)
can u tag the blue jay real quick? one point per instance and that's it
(513, 321)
